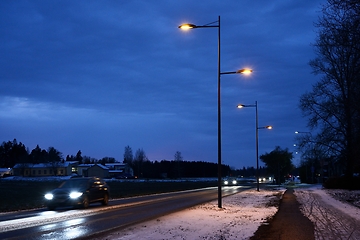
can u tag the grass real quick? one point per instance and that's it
(21, 194)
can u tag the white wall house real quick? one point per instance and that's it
(68, 168)
(45, 169)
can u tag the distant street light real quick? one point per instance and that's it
(216, 24)
(308, 137)
(257, 139)
(297, 132)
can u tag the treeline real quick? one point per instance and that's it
(13, 152)
(176, 169)
(249, 172)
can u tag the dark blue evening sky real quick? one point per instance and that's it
(97, 76)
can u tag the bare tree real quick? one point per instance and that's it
(333, 104)
(128, 155)
(178, 167)
(177, 156)
(140, 158)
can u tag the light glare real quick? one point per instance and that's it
(186, 26)
(49, 196)
(75, 194)
(245, 71)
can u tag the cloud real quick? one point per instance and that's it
(103, 75)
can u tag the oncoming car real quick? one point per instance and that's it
(230, 181)
(78, 192)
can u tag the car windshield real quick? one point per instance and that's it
(75, 183)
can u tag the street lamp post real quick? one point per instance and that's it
(257, 139)
(216, 24)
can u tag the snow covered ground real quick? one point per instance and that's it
(244, 212)
(335, 213)
(239, 218)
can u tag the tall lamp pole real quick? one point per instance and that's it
(216, 24)
(256, 138)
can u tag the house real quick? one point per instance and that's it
(109, 170)
(45, 169)
(97, 170)
(120, 170)
(68, 168)
(82, 169)
(5, 172)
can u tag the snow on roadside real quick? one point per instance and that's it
(337, 198)
(332, 218)
(239, 218)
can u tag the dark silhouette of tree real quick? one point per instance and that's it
(105, 160)
(278, 162)
(78, 157)
(54, 159)
(86, 160)
(178, 168)
(128, 155)
(12, 153)
(248, 172)
(54, 155)
(139, 159)
(178, 156)
(69, 158)
(333, 105)
(38, 155)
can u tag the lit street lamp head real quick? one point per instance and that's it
(245, 71)
(248, 105)
(297, 132)
(266, 127)
(187, 26)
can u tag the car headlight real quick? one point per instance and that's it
(226, 182)
(74, 195)
(234, 182)
(49, 196)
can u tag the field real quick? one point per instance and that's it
(29, 194)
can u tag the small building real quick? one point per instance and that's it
(82, 169)
(119, 170)
(97, 170)
(68, 168)
(45, 169)
(109, 170)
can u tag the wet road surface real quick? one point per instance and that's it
(71, 223)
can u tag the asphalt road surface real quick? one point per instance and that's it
(68, 223)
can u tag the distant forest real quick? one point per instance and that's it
(13, 152)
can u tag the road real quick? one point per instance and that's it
(68, 223)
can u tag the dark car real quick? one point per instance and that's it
(78, 192)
